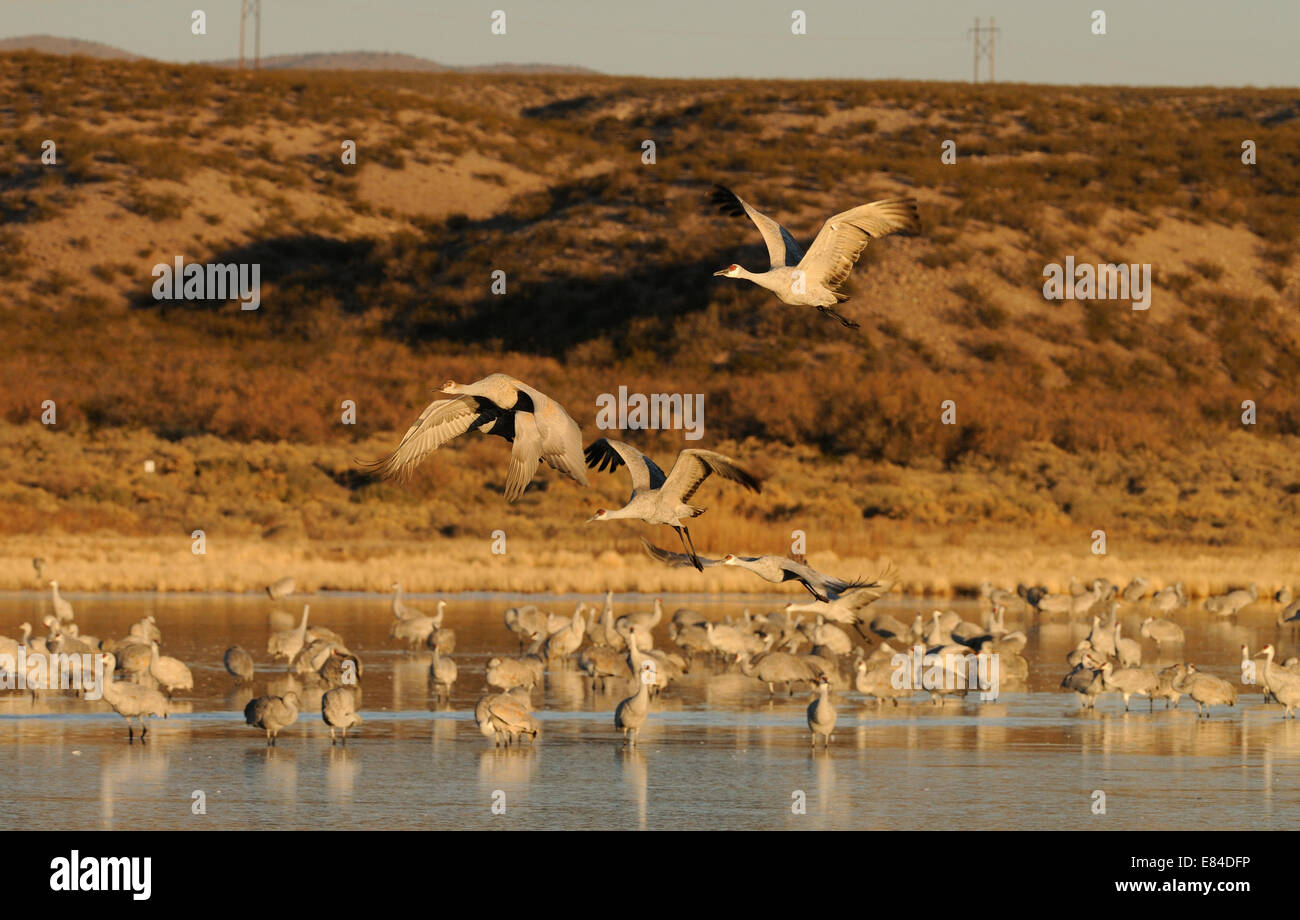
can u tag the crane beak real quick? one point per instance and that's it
(717, 273)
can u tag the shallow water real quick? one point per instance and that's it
(715, 753)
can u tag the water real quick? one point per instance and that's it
(716, 752)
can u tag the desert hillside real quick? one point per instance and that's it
(376, 286)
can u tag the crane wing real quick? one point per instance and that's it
(524, 456)
(842, 238)
(781, 246)
(695, 466)
(442, 421)
(606, 453)
(674, 559)
(561, 440)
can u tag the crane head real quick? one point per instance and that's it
(729, 559)
(731, 271)
(600, 515)
(449, 387)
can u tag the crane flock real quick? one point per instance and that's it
(611, 651)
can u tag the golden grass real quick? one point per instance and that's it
(113, 563)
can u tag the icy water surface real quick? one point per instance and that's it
(715, 754)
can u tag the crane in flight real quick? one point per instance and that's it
(660, 499)
(535, 424)
(814, 278)
(778, 569)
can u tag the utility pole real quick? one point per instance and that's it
(253, 7)
(983, 45)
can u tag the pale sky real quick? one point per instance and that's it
(1148, 42)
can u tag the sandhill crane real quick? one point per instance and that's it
(660, 499)
(442, 637)
(1169, 598)
(777, 668)
(415, 631)
(1232, 603)
(443, 673)
(525, 622)
(999, 596)
(887, 626)
(62, 609)
(1086, 680)
(289, 643)
(603, 631)
(131, 701)
(830, 637)
(536, 425)
(647, 620)
(1206, 690)
(631, 714)
(508, 673)
(36, 645)
(691, 638)
(1135, 590)
(601, 662)
(821, 714)
(814, 279)
(730, 641)
(1289, 614)
(64, 641)
(1128, 682)
(340, 669)
(135, 658)
(1282, 684)
(685, 616)
(338, 710)
(1102, 639)
(506, 717)
(876, 680)
(272, 714)
(850, 607)
(1128, 651)
(279, 588)
(776, 569)
(1054, 603)
(1165, 687)
(171, 673)
(1162, 632)
(563, 643)
(400, 610)
(1075, 657)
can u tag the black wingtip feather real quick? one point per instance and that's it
(727, 201)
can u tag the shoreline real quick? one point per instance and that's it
(164, 565)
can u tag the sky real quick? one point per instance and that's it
(1147, 42)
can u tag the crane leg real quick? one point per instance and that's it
(683, 534)
(843, 320)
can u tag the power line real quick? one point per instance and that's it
(253, 7)
(983, 46)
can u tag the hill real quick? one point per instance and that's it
(49, 44)
(334, 60)
(1072, 416)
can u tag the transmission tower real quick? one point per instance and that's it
(251, 8)
(983, 46)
